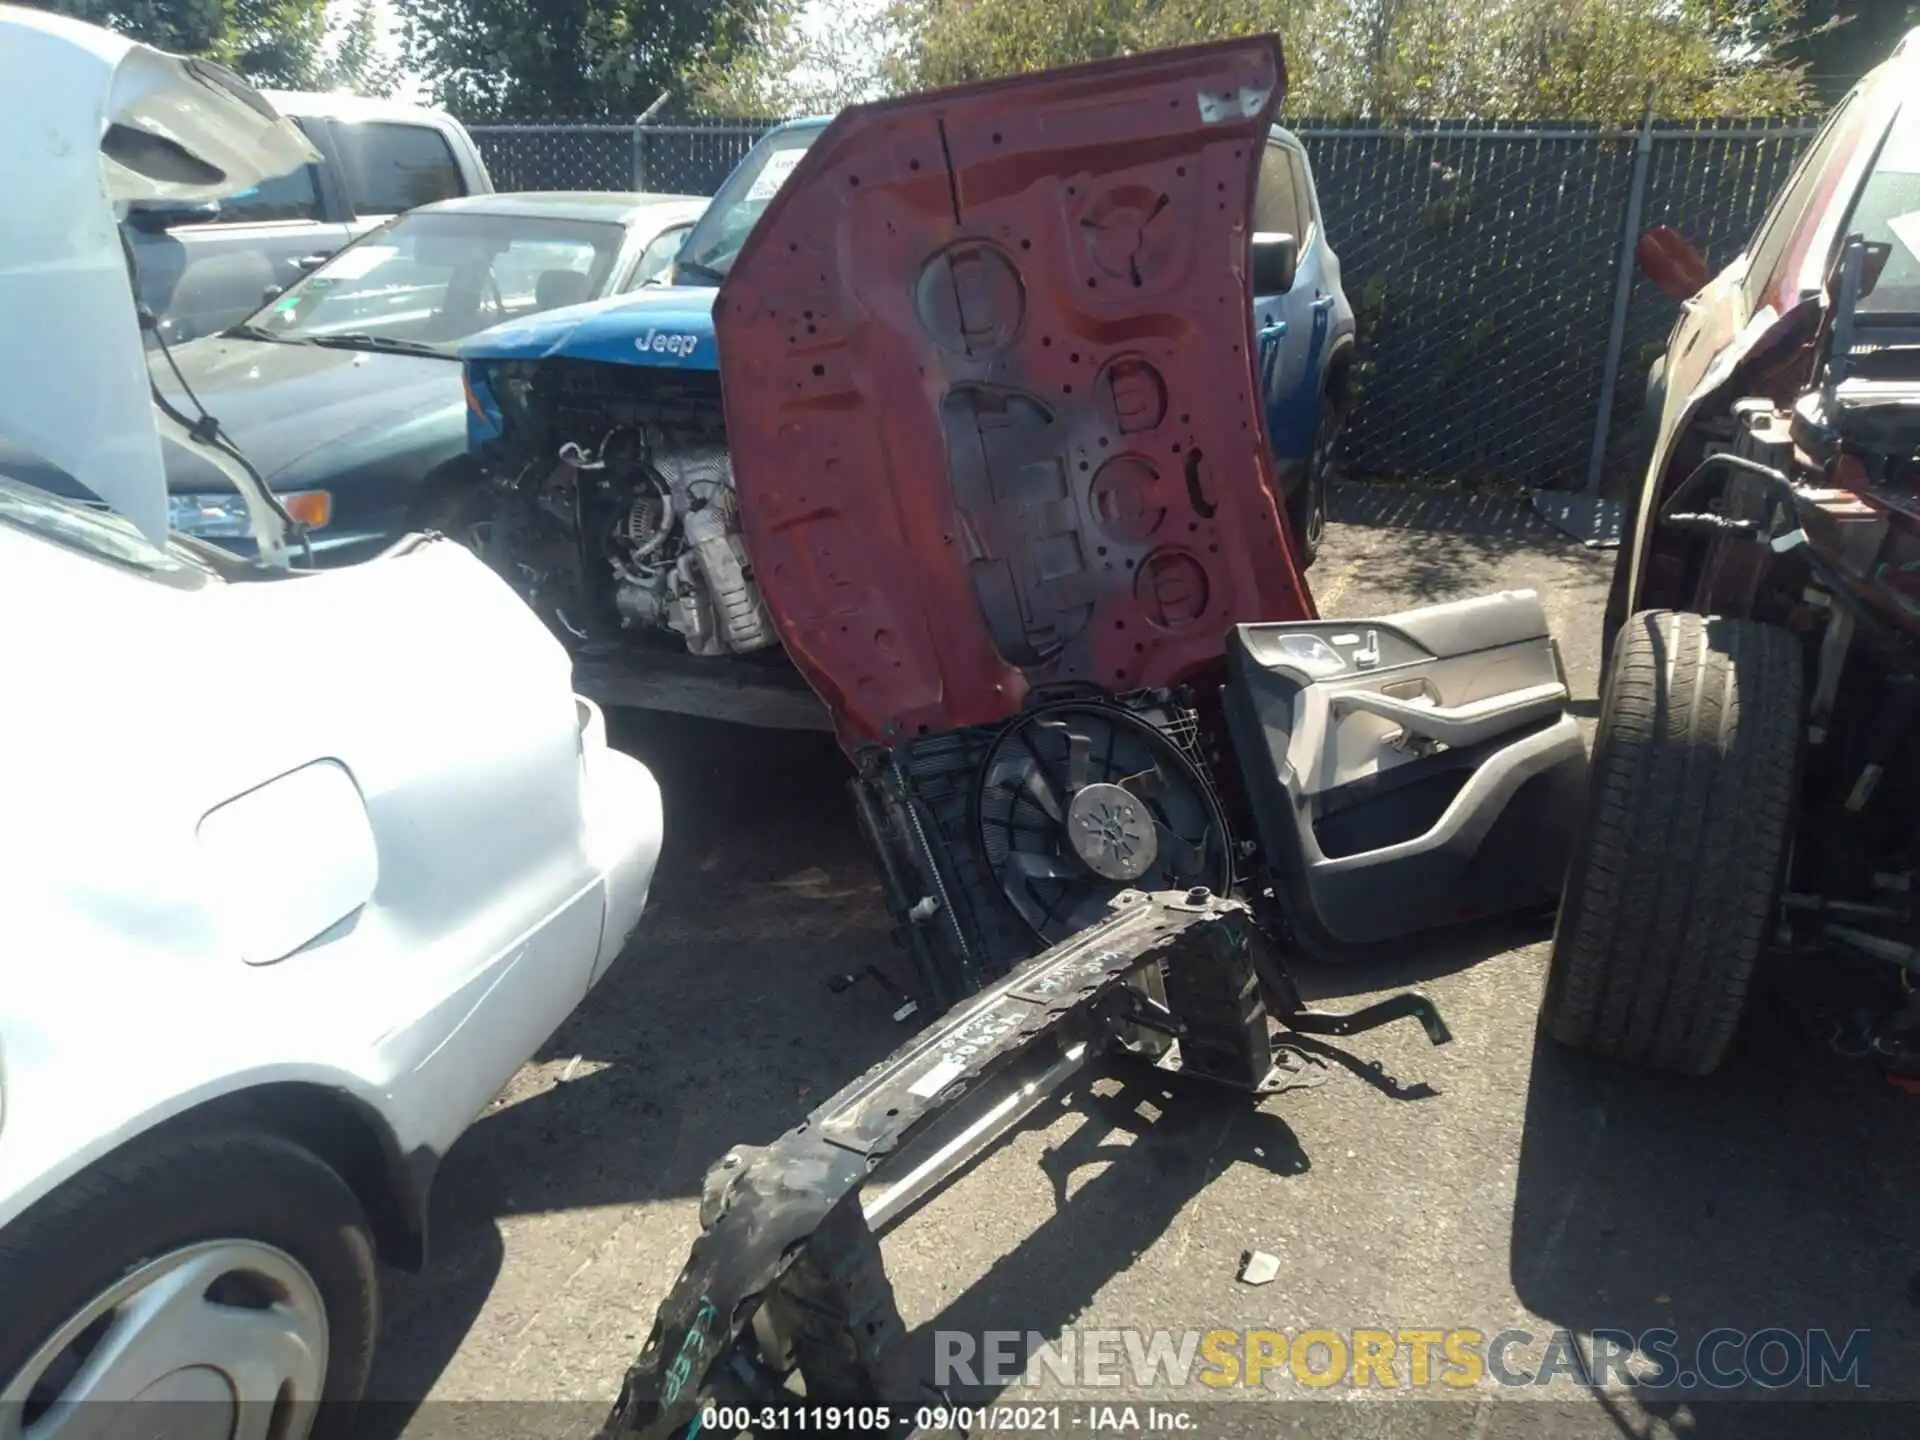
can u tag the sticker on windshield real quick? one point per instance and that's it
(355, 264)
(774, 173)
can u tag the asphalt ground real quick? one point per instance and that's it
(1496, 1184)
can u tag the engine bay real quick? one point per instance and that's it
(1851, 450)
(1801, 508)
(616, 514)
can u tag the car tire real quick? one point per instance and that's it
(1307, 506)
(1675, 879)
(1614, 617)
(246, 1253)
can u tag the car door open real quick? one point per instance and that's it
(1408, 771)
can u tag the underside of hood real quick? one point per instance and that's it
(93, 119)
(990, 391)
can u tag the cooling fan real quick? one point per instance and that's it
(1078, 801)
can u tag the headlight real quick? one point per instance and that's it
(498, 394)
(512, 385)
(224, 517)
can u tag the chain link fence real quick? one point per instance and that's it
(1712, 184)
(687, 157)
(1504, 332)
(562, 156)
(692, 157)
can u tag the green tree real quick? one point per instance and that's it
(357, 62)
(584, 59)
(1835, 41)
(803, 57)
(1400, 59)
(278, 43)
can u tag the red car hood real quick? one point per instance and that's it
(991, 397)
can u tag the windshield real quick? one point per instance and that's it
(1888, 211)
(722, 230)
(433, 279)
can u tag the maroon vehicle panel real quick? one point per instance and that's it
(991, 397)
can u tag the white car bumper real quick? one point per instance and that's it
(624, 828)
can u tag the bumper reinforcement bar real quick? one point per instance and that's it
(785, 1282)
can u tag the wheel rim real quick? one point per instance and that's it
(231, 1334)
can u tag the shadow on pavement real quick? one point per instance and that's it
(1054, 1274)
(1466, 538)
(1417, 961)
(1775, 1194)
(722, 1024)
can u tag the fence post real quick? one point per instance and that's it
(1622, 298)
(640, 140)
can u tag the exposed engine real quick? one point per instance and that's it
(676, 554)
(623, 516)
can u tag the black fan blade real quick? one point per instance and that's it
(1037, 786)
(1082, 909)
(1148, 784)
(1079, 756)
(1186, 858)
(1031, 866)
(1079, 761)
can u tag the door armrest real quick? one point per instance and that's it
(1462, 724)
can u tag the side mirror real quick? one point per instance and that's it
(1667, 259)
(272, 292)
(1275, 258)
(157, 216)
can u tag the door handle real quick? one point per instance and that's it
(1462, 724)
(1323, 304)
(1273, 331)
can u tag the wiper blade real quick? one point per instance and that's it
(360, 340)
(244, 331)
(695, 268)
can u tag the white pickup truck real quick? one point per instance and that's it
(204, 267)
